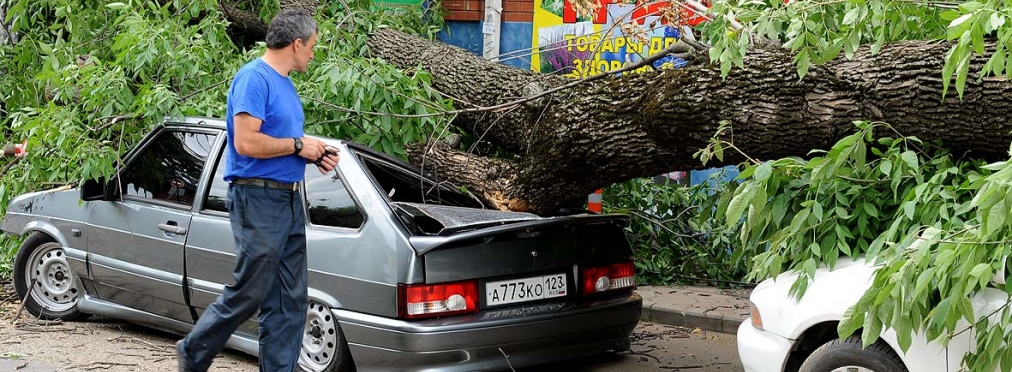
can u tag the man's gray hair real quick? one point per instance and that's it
(288, 25)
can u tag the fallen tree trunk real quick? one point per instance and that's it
(572, 142)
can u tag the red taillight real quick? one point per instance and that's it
(430, 300)
(606, 278)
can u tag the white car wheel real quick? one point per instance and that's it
(44, 280)
(324, 348)
(848, 355)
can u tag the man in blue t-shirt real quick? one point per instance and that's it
(267, 154)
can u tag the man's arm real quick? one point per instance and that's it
(249, 141)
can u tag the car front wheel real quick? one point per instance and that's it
(324, 348)
(848, 355)
(44, 281)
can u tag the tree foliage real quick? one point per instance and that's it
(934, 224)
(84, 80)
(673, 233)
(819, 31)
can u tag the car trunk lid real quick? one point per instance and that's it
(521, 248)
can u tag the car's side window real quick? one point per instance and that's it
(218, 191)
(168, 169)
(328, 201)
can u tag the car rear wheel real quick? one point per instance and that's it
(44, 281)
(848, 355)
(324, 348)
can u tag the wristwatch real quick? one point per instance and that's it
(298, 146)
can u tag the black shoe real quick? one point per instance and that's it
(180, 359)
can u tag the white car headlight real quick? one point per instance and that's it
(757, 319)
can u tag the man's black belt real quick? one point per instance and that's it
(263, 182)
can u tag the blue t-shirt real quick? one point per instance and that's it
(263, 93)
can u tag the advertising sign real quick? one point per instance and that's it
(581, 46)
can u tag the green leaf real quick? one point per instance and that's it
(903, 333)
(870, 210)
(908, 210)
(804, 62)
(971, 6)
(852, 321)
(46, 49)
(940, 313)
(910, 158)
(737, 206)
(978, 39)
(872, 331)
(116, 5)
(961, 70)
(979, 270)
(809, 269)
(816, 250)
(948, 69)
(747, 172)
(1006, 360)
(923, 280)
(997, 20)
(996, 218)
(949, 15)
(959, 25)
(763, 171)
(852, 16)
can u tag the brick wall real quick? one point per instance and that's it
(518, 10)
(474, 10)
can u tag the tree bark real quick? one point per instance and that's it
(246, 28)
(638, 125)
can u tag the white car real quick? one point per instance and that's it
(789, 335)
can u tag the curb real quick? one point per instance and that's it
(710, 322)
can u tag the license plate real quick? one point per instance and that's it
(526, 289)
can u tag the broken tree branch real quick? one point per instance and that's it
(201, 90)
(9, 165)
(112, 121)
(21, 306)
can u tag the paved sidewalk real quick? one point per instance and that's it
(703, 307)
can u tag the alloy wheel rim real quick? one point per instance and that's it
(319, 342)
(852, 369)
(52, 284)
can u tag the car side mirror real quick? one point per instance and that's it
(96, 190)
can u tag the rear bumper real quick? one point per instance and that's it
(483, 341)
(761, 351)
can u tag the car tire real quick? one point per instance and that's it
(849, 355)
(44, 281)
(324, 348)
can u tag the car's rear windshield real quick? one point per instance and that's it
(406, 185)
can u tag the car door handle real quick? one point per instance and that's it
(172, 229)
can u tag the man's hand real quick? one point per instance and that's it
(318, 153)
(328, 161)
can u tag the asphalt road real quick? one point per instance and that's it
(115, 346)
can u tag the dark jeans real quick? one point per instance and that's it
(270, 275)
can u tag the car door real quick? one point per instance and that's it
(136, 242)
(333, 219)
(210, 247)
